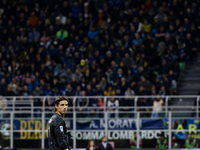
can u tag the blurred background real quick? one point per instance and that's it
(130, 69)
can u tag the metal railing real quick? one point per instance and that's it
(13, 103)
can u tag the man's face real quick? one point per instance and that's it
(104, 139)
(62, 107)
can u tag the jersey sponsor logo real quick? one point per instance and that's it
(61, 128)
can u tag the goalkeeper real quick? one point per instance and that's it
(57, 131)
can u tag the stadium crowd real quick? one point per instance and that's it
(96, 47)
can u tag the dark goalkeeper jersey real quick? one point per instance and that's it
(57, 133)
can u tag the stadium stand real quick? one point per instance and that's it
(63, 47)
(55, 48)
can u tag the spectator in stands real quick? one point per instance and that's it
(92, 145)
(33, 34)
(78, 91)
(3, 84)
(133, 142)
(97, 90)
(48, 91)
(25, 91)
(49, 107)
(33, 19)
(174, 142)
(83, 83)
(3, 106)
(162, 91)
(158, 104)
(127, 60)
(63, 83)
(109, 91)
(92, 33)
(144, 83)
(103, 83)
(82, 104)
(37, 91)
(127, 103)
(123, 85)
(113, 105)
(38, 102)
(68, 90)
(100, 105)
(142, 103)
(77, 75)
(191, 142)
(13, 85)
(9, 92)
(104, 145)
(137, 40)
(162, 142)
(62, 34)
(73, 83)
(61, 18)
(129, 76)
(129, 92)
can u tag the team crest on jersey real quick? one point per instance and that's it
(61, 128)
